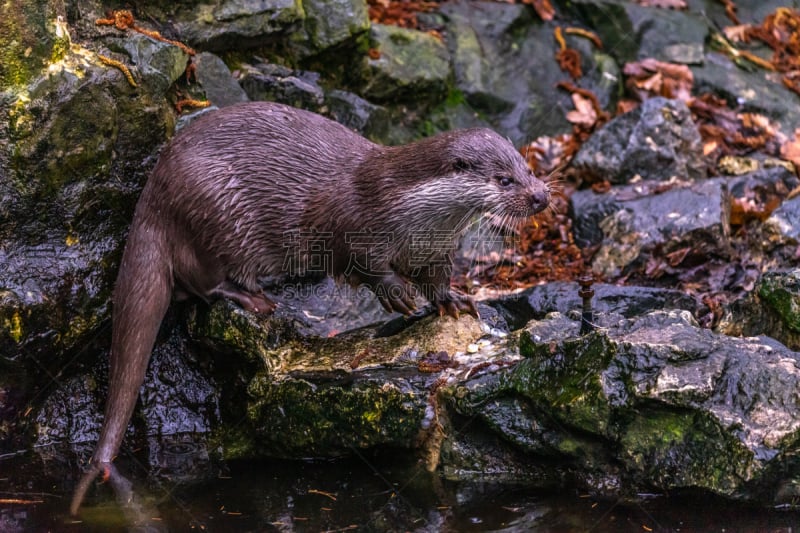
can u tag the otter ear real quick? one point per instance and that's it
(462, 165)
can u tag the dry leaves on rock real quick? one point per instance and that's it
(650, 77)
(790, 150)
(780, 31)
(402, 13)
(727, 132)
(667, 4)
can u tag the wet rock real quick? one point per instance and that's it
(324, 396)
(329, 417)
(157, 64)
(562, 297)
(329, 24)
(781, 292)
(82, 139)
(266, 81)
(769, 309)
(220, 87)
(747, 11)
(630, 222)
(656, 141)
(783, 225)
(53, 297)
(282, 344)
(654, 401)
(370, 120)
(632, 32)
(412, 64)
(33, 33)
(236, 24)
(478, 454)
(502, 59)
(176, 398)
(758, 91)
(764, 177)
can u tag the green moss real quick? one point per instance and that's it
(454, 98)
(29, 37)
(781, 291)
(13, 325)
(294, 418)
(674, 449)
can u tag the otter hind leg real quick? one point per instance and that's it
(254, 302)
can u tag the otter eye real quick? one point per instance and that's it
(505, 181)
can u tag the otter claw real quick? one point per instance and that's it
(454, 304)
(395, 295)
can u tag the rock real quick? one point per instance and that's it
(747, 11)
(781, 292)
(235, 24)
(328, 25)
(758, 91)
(81, 140)
(368, 119)
(562, 297)
(771, 308)
(630, 222)
(324, 396)
(412, 64)
(656, 141)
(220, 87)
(269, 82)
(632, 32)
(653, 402)
(33, 34)
(305, 417)
(503, 64)
(175, 399)
(784, 223)
(158, 64)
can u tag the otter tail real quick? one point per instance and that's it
(141, 297)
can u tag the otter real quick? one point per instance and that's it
(253, 190)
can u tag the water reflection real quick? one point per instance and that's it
(187, 491)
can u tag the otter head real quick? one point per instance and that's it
(497, 174)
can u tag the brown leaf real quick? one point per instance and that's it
(738, 33)
(584, 113)
(543, 8)
(569, 60)
(790, 150)
(650, 77)
(676, 258)
(668, 4)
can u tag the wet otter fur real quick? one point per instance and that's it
(230, 190)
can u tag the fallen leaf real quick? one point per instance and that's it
(790, 150)
(650, 77)
(543, 8)
(668, 4)
(584, 113)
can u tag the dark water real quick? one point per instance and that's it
(358, 494)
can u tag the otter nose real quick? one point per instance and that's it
(540, 199)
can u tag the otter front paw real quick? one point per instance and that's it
(453, 303)
(395, 294)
